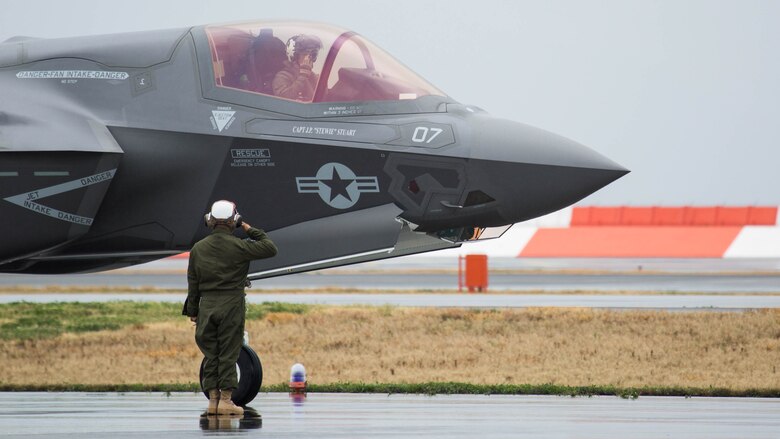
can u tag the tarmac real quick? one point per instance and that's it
(709, 283)
(178, 415)
(712, 276)
(683, 284)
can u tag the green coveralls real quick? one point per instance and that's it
(216, 276)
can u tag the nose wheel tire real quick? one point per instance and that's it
(250, 376)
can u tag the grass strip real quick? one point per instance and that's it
(33, 321)
(430, 388)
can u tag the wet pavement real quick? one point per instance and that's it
(147, 415)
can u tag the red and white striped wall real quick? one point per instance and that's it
(640, 232)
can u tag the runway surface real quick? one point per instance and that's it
(137, 415)
(696, 275)
(533, 281)
(710, 283)
(714, 281)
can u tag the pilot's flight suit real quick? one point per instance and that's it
(216, 277)
(293, 82)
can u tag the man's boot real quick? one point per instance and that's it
(226, 406)
(213, 402)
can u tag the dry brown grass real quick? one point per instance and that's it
(535, 346)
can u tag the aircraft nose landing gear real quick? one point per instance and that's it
(250, 376)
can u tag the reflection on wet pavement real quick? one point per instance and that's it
(250, 420)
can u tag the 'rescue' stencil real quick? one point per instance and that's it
(337, 185)
(29, 200)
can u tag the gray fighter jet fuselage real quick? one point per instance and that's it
(113, 147)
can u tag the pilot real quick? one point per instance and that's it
(297, 80)
(216, 302)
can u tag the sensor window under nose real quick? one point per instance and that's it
(477, 197)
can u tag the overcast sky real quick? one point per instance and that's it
(684, 93)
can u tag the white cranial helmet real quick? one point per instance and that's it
(223, 212)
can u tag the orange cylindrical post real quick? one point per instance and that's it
(476, 273)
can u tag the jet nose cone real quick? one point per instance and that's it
(535, 172)
(509, 141)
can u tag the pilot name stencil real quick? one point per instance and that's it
(337, 185)
(324, 131)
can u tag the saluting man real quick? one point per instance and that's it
(216, 302)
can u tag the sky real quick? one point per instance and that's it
(684, 93)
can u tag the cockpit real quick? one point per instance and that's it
(310, 63)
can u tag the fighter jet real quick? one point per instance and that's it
(113, 147)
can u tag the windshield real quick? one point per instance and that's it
(309, 62)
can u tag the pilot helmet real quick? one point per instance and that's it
(223, 212)
(303, 44)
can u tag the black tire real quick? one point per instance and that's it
(250, 379)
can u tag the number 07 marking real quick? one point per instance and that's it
(421, 134)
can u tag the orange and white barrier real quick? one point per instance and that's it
(639, 232)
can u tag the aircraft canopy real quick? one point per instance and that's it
(309, 62)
